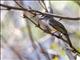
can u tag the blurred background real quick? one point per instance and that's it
(17, 33)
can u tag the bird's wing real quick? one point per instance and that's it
(58, 26)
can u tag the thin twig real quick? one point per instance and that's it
(16, 8)
(23, 7)
(43, 50)
(44, 7)
(30, 35)
(41, 4)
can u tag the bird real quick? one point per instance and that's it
(53, 24)
(57, 26)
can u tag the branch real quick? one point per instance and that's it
(53, 35)
(24, 9)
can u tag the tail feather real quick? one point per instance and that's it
(68, 39)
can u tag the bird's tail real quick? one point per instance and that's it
(68, 39)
